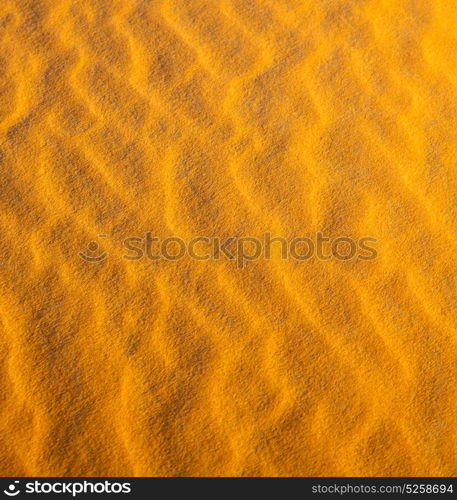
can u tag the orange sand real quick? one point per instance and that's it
(228, 117)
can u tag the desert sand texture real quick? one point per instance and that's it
(217, 118)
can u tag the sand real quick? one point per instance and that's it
(215, 118)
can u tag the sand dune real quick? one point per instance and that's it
(215, 118)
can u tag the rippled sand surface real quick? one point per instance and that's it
(216, 118)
